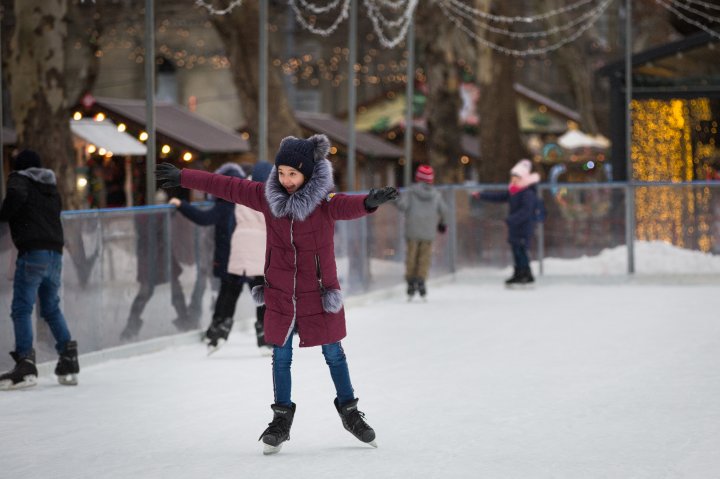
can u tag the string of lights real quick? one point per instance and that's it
(532, 34)
(530, 51)
(379, 21)
(707, 5)
(312, 27)
(214, 11)
(516, 19)
(689, 20)
(697, 12)
(315, 9)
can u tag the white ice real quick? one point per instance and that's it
(603, 378)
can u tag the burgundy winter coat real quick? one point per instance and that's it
(301, 286)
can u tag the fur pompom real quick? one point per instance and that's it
(258, 295)
(321, 146)
(332, 300)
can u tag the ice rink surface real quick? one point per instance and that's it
(574, 379)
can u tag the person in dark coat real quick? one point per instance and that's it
(32, 207)
(301, 291)
(222, 216)
(523, 199)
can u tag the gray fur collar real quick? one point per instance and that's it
(303, 202)
(41, 175)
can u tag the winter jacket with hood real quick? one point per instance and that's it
(32, 207)
(424, 209)
(301, 285)
(523, 201)
(222, 216)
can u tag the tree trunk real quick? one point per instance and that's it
(239, 33)
(500, 143)
(37, 87)
(440, 47)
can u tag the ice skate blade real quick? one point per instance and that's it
(212, 348)
(269, 450)
(27, 382)
(68, 380)
(520, 286)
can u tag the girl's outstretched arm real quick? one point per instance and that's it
(236, 190)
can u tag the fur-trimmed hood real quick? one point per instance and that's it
(300, 204)
(41, 175)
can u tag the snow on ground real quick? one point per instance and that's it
(590, 380)
(651, 257)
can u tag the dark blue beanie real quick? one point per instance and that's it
(297, 153)
(26, 159)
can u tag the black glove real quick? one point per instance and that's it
(442, 228)
(377, 197)
(168, 176)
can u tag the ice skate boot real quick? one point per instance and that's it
(23, 375)
(525, 279)
(354, 421)
(421, 289)
(512, 280)
(68, 367)
(278, 430)
(218, 333)
(411, 288)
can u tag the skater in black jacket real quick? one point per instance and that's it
(32, 207)
(522, 196)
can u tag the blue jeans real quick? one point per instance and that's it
(37, 274)
(334, 358)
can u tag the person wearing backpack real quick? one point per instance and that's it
(525, 205)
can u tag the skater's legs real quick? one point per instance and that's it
(411, 260)
(337, 362)
(49, 299)
(282, 381)
(520, 256)
(424, 257)
(230, 288)
(29, 271)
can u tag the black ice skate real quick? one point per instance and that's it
(522, 279)
(354, 421)
(421, 288)
(218, 332)
(278, 430)
(68, 367)
(411, 288)
(23, 375)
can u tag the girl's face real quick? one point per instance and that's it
(514, 180)
(290, 178)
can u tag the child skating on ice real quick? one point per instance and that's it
(301, 291)
(523, 200)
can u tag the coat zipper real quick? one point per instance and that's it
(294, 299)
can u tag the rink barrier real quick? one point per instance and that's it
(111, 253)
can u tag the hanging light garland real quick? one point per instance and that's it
(530, 51)
(312, 27)
(689, 20)
(381, 23)
(525, 19)
(462, 12)
(214, 11)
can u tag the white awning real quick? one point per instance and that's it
(104, 134)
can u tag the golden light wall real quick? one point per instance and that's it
(663, 150)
